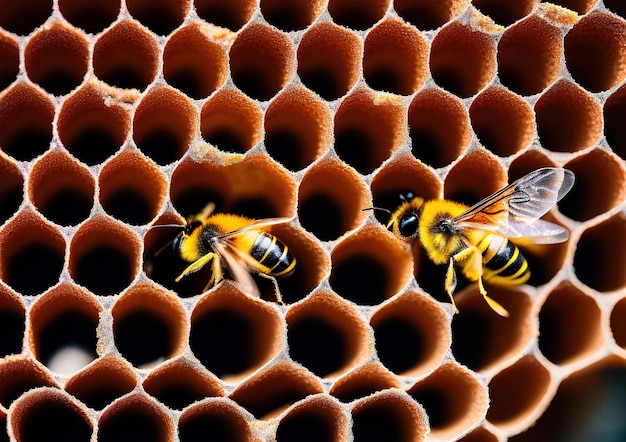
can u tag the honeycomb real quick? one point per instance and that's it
(121, 115)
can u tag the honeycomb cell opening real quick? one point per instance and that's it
(92, 16)
(22, 18)
(25, 374)
(618, 324)
(11, 188)
(429, 15)
(214, 418)
(363, 381)
(12, 323)
(318, 417)
(232, 15)
(614, 109)
(161, 18)
(476, 176)
(10, 56)
(291, 16)
(505, 14)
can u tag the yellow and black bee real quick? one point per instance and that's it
(240, 244)
(477, 238)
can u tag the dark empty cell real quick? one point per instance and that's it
(317, 345)
(93, 145)
(220, 14)
(4, 436)
(226, 140)
(142, 337)
(360, 18)
(305, 427)
(360, 279)
(101, 395)
(51, 422)
(161, 145)
(423, 15)
(617, 7)
(12, 332)
(285, 146)
(159, 18)
(385, 78)
(9, 202)
(377, 423)
(427, 146)
(25, 16)
(188, 82)
(124, 77)
(355, 148)
(399, 344)
(128, 206)
(256, 82)
(67, 207)
(210, 427)
(453, 81)
(253, 208)
(104, 270)
(323, 81)
(322, 215)
(471, 335)
(287, 15)
(222, 341)
(92, 16)
(69, 329)
(34, 268)
(177, 395)
(131, 425)
(436, 405)
(59, 81)
(28, 143)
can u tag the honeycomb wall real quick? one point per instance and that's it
(118, 116)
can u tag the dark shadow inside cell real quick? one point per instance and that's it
(360, 279)
(67, 207)
(28, 143)
(431, 278)
(129, 206)
(256, 81)
(287, 16)
(359, 18)
(504, 14)
(4, 435)
(453, 81)
(354, 146)
(142, 337)
(134, 425)
(377, 423)
(92, 15)
(318, 345)
(322, 215)
(104, 270)
(471, 334)
(161, 145)
(50, 421)
(305, 427)
(423, 15)
(220, 14)
(98, 395)
(34, 268)
(188, 82)
(123, 77)
(159, 18)
(223, 341)
(323, 81)
(435, 404)
(12, 327)
(255, 208)
(617, 7)
(226, 140)
(177, 395)
(25, 16)
(285, 146)
(59, 81)
(211, 427)
(399, 344)
(93, 145)
(428, 147)
(385, 78)
(68, 329)
(10, 201)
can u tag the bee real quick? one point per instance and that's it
(239, 244)
(480, 239)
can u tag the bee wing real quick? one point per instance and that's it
(259, 224)
(238, 271)
(515, 210)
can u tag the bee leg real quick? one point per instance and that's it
(450, 283)
(279, 297)
(216, 275)
(196, 265)
(475, 271)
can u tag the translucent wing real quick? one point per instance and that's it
(515, 210)
(238, 271)
(259, 224)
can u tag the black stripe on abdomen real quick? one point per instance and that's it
(507, 261)
(271, 253)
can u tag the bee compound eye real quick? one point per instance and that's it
(408, 225)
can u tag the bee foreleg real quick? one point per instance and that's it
(450, 283)
(216, 275)
(197, 265)
(279, 297)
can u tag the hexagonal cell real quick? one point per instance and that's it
(132, 415)
(357, 15)
(503, 121)
(11, 188)
(61, 188)
(132, 190)
(559, 341)
(214, 418)
(298, 128)
(180, 383)
(428, 14)
(233, 334)
(326, 335)
(369, 127)
(389, 415)
(91, 15)
(104, 256)
(149, 325)
(231, 121)
(319, 417)
(232, 15)
(33, 253)
(517, 394)
(329, 58)
(275, 388)
(62, 332)
(330, 199)
(485, 341)
(91, 126)
(363, 381)
(164, 124)
(261, 61)
(161, 18)
(600, 251)
(478, 175)
(412, 334)
(44, 412)
(20, 374)
(126, 56)
(505, 13)
(439, 127)
(480, 434)
(57, 58)
(395, 58)
(194, 61)
(529, 55)
(10, 56)
(618, 324)
(291, 16)
(462, 59)
(12, 322)
(25, 121)
(568, 118)
(368, 266)
(24, 17)
(454, 400)
(103, 381)
(613, 112)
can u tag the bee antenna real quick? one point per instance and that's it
(171, 226)
(377, 208)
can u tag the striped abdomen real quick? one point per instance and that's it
(272, 254)
(503, 262)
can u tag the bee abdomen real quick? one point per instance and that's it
(504, 260)
(273, 254)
